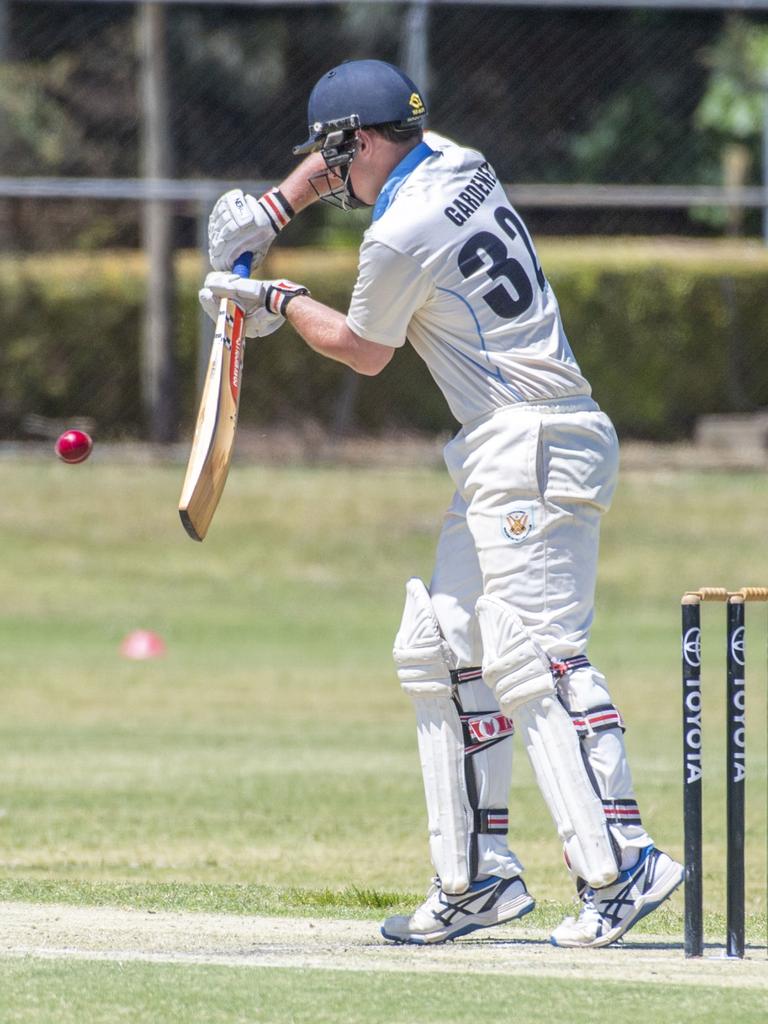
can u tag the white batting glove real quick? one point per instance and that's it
(239, 223)
(259, 322)
(264, 302)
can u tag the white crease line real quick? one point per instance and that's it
(754, 977)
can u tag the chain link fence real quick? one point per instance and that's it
(556, 96)
(608, 120)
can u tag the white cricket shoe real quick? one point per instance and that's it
(612, 910)
(443, 916)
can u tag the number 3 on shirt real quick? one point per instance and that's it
(484, 244)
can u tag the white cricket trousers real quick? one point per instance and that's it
(532, 483)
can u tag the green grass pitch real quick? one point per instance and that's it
(267, 763)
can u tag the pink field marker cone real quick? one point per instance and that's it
(142, 644)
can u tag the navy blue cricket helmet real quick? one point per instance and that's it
(360, 93)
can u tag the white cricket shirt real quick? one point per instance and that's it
(448, 264)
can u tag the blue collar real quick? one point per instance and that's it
(398, 175)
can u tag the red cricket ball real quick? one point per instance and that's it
(74, 446)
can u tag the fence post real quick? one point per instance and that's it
(158, 379)
(4, 30)
(415, 45)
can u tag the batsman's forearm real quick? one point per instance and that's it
(296, 187)
(325, 330)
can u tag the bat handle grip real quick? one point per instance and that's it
(242, 265)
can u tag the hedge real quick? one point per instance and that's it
(665, 331)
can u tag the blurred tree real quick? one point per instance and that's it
(638, 131)
(72, 111)
(68, 108)
(733, 102)
(731, 113)
(550, 95)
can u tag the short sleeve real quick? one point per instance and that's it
(391, 286)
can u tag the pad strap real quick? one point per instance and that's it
(481, 729)
(465, 675)
(561, 666)
(604, 716)
(622, 812)
(492, 821)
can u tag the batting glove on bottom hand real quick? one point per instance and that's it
(263, 302)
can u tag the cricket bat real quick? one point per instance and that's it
(214, 438)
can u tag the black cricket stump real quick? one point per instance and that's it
(692, 769)
(735, 767)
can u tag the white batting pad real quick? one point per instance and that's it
(424, 664)
(520, 672)
(555, 754)
(423, 658)
(513, 663)
(441, 751)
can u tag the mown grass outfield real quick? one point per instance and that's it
(267, 764)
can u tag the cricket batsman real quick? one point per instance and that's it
(499, 635)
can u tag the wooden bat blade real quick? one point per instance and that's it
(214, 438)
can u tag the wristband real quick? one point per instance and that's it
(280, 294)
(287, 296)
(277, 208)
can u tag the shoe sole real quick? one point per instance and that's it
(645, 905)
(518, 908)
